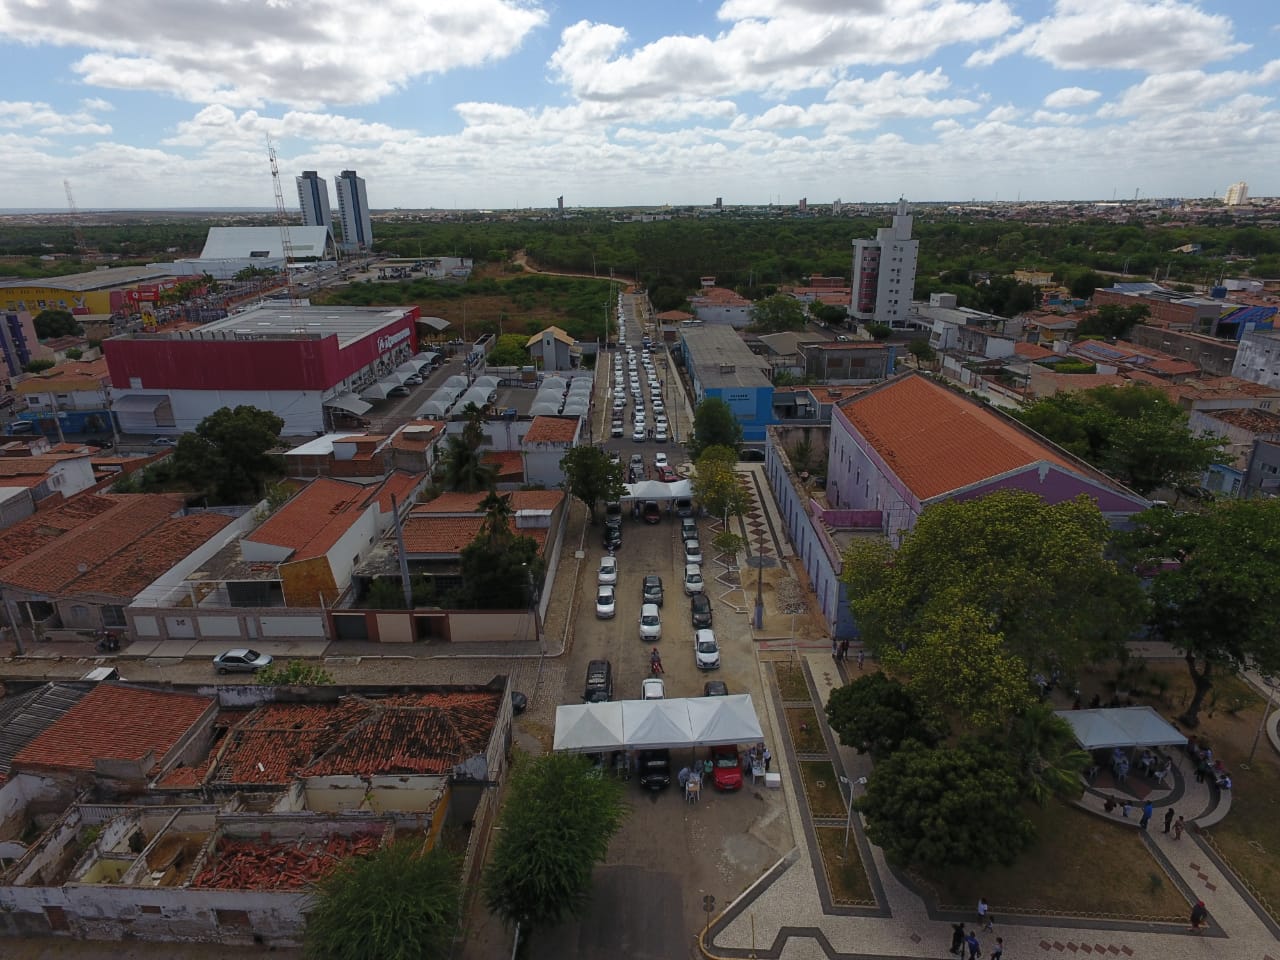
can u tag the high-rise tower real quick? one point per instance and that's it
(884, 272)
(313, 197)
(353, 212)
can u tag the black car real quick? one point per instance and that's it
(652, 589)
(612, 536)
(654, 768)
(599, 685)
(715, 688)
(700, 610)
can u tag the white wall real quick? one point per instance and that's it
(300, 409)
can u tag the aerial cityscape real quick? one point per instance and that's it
(773, 478)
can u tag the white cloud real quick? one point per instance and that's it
(247, 54)
(1187, 88)
(1069, 97)
(1148, 35)
(220, 124)
(771, 46)
(49, 122)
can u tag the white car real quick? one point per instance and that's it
(650, 623)
(660, 435)
(660, 459)
(653, 689)
(608, 571)
(638, 434)
(606, 603)
(692, 579)
(706, 651)
(692, 552)
(616, 430)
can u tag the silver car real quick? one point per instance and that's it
(241, 660)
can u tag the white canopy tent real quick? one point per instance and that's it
(545, 408)
(650, 724)
(657, 490)
(1121, 727)
(349, 402)
(457, 380)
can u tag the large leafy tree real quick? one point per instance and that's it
(1019, 584)
(229, 455)
(510, 350)
(1113, 320)
(56, 323)
(777, 314)
(555, 827)
(714, 425)
(1134, 433)
(401, 903)
(876, 714)
(498, 574)
(1219, 606)
(592, 476)
(1044, 754)
(946, 806)
(716, 484)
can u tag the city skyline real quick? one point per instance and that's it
(515, 102)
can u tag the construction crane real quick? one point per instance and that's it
(82, 247)
(282, 219)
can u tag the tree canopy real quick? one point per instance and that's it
(509, 351)
(982, 592)
(555, 827)
(876, 714)
(1219, 605)
(56, 323)
(777, 314)
(716, 485)
(714, 425)
(499, 569)
(400, 903)
(592, 476)
(946, 806)
(462, 467)
(229, 454)
(1134, 433)
(1113, 320)
(1043, 753)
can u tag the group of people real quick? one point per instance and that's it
(840, 652)
(1207, 767)
(963, 941)
(757, 756)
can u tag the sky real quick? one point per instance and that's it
(511, 103)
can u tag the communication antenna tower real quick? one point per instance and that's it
(282, 220)
(82, 247)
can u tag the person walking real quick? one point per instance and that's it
(862, 657)
(835, 649)
(957, 939)
(1168, 819)
(1146, 814)
(1199, 915)
(984, 914)
(998, 952)
(1177, 829)
(844, 651)
(768, 759)
(975, 948)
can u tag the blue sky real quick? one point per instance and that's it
(509, 103)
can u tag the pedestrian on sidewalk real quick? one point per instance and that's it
(1199, 915)
(1168, 819)
(844, 651)
(862, 657)
(768, 759)
(835, 649)
(957, 938)
(975, 948)
(1146, 814)
(1177, 829)
(998, 952)
(1125, 807)
(984, 914)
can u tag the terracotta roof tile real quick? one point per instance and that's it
(1254, 421)
(114, 722)
(1031, 351)
(555, 332)
(417, 435)
(937, 440)
(508, 465)
(313, 521)
(469, 503)
(135, 568)
(446, 536)
(674, 316)
(398, 482)
(546, 429)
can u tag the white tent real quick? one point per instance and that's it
(657, 490)
(487, 381)
(457, 380)
(545, 408)
(1121, 727)
(434, 408)
(647, 724)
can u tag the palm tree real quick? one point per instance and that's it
(1047, 760)
(496, 525)
(463, 467)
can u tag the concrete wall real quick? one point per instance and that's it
(253, 623)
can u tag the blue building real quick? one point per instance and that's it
(720, 365)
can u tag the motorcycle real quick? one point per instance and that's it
(108, 641)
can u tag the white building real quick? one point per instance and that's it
(1258, 357)
(884, 272)
(228, 250)
(1237, 194)
(313, 198)
(353, 212)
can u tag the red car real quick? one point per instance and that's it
(727, 769)
(667, 475)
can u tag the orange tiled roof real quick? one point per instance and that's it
(1254, 421)
(556, 332)
(675, 316)
(937, 440)
(313, 521)
(398, 482)
(446, 536)
(135, 568)
(418, 440)
(1031, 351)
(547, 429)
(833, 394)
(31, 534)
(469, 503)
(508, 465)
(114, 722)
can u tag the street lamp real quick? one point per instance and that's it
(846, 782)
(760, 579)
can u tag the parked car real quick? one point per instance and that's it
(666, 474)
(652, 513)
(606, 603)
(692, 579)
(400, 390)
(692, 552)
(599, 685)
(700, 610)
(608, 571)
(715, 688)
(616, 430)
(654, 769)
(706, 650)
(660, 435)
(613, 536)
(638, 433)
(726, 769)
(241, 660)
(636, 462)
(660, 460)
(652, 589)
(650, 623)
(155, 442)
(688, 528)
(684, 507)
(652, 688)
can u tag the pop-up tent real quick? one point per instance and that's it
(657, 490)
(649, 724)
(1121, 727)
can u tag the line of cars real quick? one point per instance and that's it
(626, 379)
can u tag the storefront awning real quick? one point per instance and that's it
(350, 403)
(138, 402)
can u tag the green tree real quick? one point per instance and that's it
(462, 462)
(716, 486)
(74, 353)
(946, 806)
(922, 351)
(509, 351)
(1083, 285)
(1045, 757)
(827, 313)
(777, 314)
(879, 331)
(38, 366)
(56, 323)
(229, 454)
(1113, 320)
(592, 476)
(293, 673)
(1023, 563)
(714, 425)
(728, 542)
(498, 571)
(555, 827)
(1219, 606)
(876, 714)
(400, 903)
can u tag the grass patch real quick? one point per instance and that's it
(1081, 864)
(822, 789)
(806, 735)
(845, 874)
(791, 682)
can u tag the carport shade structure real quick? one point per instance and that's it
(650, 724)
(1121, 727)
(657, 490)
